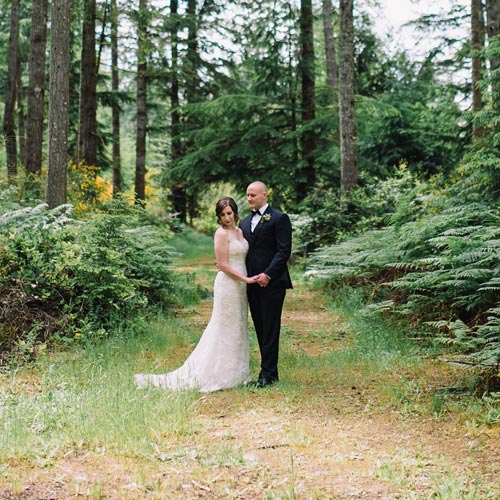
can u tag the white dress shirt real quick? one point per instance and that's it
(257, 216)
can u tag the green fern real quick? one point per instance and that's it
(440, 267)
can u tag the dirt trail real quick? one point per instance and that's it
(321, 433)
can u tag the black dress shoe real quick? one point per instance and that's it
(266, 382)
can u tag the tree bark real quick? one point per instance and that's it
(330, 55)
(493, 17)
(192, 61)
(58, 105)
(193, 84)
(308, 91)
(115, 106)
(493, 29)
(477, 44)
(140, 162)
(348, 159)
(36, 88)
(102, 36)
(178, 189)
(293, 97)
(9, 126)
(87, 123)
(21, 122)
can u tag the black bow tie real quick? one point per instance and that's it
(255, 212)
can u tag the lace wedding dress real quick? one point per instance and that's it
(221, 358)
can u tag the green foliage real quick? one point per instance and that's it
(414, 121)
(241, 138)
(327, 218)
(82, 399)
(440, 267)
(64, 279)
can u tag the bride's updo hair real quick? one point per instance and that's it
(222, 204)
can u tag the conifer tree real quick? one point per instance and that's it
(36, 88)
(87, 124)
(115, 106)
(348, 159)
(308, 91)
(58, 104)
(9, 127)
(141, 104)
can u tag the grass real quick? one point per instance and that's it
(88, 400)
(191, 246)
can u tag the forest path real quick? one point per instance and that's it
(333, 428)
(337, 432)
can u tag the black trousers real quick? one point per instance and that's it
(266, 305)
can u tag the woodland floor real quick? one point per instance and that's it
(320, 436)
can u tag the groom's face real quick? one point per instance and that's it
(256, 197)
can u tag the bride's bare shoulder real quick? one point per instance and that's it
(221, 235)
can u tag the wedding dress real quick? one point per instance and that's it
(221, 358)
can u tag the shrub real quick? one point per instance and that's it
(68, 279)
(330, 218)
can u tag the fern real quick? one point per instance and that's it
(442, 265)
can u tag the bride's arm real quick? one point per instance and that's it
(221, 242)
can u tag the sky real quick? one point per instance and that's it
(395, 13)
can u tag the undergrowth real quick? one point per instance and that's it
(71, 280)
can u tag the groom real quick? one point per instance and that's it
(269, 235)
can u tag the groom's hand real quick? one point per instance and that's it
(263, 280)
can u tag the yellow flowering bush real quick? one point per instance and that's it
(86, 188)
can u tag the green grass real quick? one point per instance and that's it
(375, 336)
(192, 245)
(87, 399)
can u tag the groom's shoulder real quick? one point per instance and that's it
(278, 213)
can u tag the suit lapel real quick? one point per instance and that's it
(260, 223)
(247, 228)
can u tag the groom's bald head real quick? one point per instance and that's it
(259, 186)
(256, 195)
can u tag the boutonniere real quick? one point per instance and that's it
(265, 218)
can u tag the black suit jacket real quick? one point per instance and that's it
(270, 246)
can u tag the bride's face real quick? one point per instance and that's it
(227, 217)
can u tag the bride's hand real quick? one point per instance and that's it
(251, 279)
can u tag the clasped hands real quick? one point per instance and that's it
(260, 279)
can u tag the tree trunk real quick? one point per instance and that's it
(308, 90)
(36, 88)
(178, 189)
(292, 95)
(21, 123)
(477, 44)
(493, 16)
(58, 104)
(348, 160)
(193, 61)
(493, 29)
(140, 161)
(330, 56)
(87, 126)
(102, 37)
(9, 126)
(115, 106)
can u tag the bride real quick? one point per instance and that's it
(221, 358)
